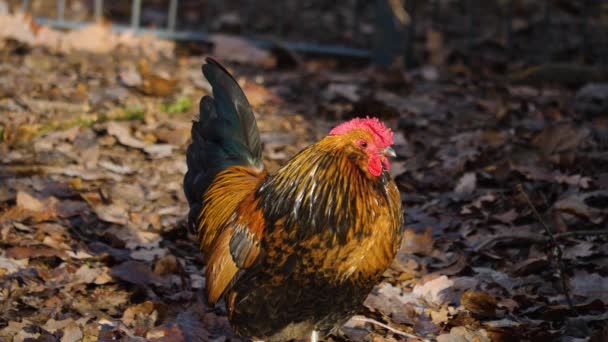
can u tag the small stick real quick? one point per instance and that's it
(557, 251)
(536, 238)
(592, 232)
(387, 327)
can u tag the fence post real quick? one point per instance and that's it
(98, 10)
(135, 14)
(547, 31)
(509, 28)
(386, 34)
(246, 13)
(410, 34)
(60, 10)
(470, 28)
(282, 17)
(172, 16)
(585, 43)
(355, 28)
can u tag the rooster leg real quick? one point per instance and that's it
(314, 336)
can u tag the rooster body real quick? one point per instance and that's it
(296, 252)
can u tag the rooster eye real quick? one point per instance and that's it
(363, 144)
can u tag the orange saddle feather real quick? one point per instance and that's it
(230, 227)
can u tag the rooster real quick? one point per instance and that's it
(293, 254)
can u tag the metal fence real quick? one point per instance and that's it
(464, 22)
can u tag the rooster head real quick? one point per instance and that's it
(368, 142)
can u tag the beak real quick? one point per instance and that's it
(389, 152)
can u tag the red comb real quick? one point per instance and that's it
(383, 134)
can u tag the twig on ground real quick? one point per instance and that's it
(387, 327)
(523, 237)
(582, 233)
(534, 238)
(557, 251)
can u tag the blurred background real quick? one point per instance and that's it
(494, 31)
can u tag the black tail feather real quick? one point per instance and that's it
(225, 134)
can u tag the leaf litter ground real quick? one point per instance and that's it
(92, 212)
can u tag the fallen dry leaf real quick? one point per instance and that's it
(417, 243)
(136, 273)
(257, 94)
(28, 202)
(159, 150)
(148, 254)
(392, 302)
(134, 238)
(72, 333)
(580, 205)
(479, 303)
(237, 49)
(435, 292)
(507, 217)
(590, 285)
(559, 138)
(466, 184)
(88, 275)
(53, 325)
(122, 133)
(502, 323)
(492, 276)
(577, 180)
(187, 326)
(168, 264)
(34, 252)
(462, 334)
(154, 85)
(579, 250)
(11, 265)
(140, 313)
(111, 213)
(130, 76)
